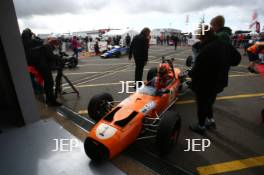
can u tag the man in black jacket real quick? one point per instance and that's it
(139, 48)
(210, 76)
(43, 59)
(128, 40)
(30, 41)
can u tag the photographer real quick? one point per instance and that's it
(43, 59)
(30, 41)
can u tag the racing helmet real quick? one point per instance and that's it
(164, 69)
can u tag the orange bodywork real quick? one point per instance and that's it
(123, 124)
(253, 49)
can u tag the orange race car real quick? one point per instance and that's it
(144, 114)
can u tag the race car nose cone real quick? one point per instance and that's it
(95, 150)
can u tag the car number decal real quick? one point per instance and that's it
(148, 107)
(104, 131)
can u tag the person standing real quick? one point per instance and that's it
(175, 41)
(139, 49)
(218, 26)
(86, 40)
(75, 46)
(96, 48)
(128, 40)
(29, 42)
(255, 55)
(168, 40)
(44, 60)
(210, 76)
(161, 39)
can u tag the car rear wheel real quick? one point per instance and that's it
(168, 131)
(99, 105)
(152, 73)
(118, 55)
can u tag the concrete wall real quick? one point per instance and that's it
(16, 61)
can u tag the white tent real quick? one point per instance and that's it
(122, 33)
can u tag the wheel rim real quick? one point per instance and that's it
(102, 107)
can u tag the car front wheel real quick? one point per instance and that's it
(99, 105)
(168, 131)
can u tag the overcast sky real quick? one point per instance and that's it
(46, 16)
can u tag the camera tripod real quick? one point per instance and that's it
(58, 87)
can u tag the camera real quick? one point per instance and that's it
(67, 61)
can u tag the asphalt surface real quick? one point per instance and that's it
(239, 133)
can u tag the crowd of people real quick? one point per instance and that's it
(172, 39)
(41, 59)
(242, 40)
(214, 57)
(214, 54)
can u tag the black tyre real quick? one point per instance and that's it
(73, 62)
(118, 55)
(168, 131)
(99, 105)
(95, 151)
(152, 73)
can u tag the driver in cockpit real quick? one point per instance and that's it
(164, 76)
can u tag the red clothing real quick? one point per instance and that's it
(33, 71)
(74, 43)
(254, 48)
(162, 82)
(241, 37)
(260, 69)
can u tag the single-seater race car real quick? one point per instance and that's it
(143, 115)
(115, 51)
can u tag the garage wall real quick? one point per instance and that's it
(14, 62)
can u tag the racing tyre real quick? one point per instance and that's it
(118, 55)
(73, 62)
(95, 151)
(168, 131)
(152, 73)
(99, 105)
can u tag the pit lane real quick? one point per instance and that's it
(239, 130)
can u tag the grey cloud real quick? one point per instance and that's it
(185, 6)
(27, 8)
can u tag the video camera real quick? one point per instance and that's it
(67, 61)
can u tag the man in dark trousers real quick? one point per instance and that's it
(128, 40)
(139, 48)
(96, 48)
(210, 76)
(175, 41)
